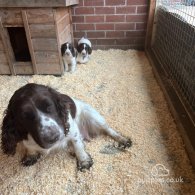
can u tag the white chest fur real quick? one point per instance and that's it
(81, 59)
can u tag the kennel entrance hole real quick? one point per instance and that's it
(19, 44)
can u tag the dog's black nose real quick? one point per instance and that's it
(51, 139)
(67, 53)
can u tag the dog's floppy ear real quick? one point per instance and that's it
(79, 48)
(73, 51)
(89, 49)
(64, 105)
(11, 133)
(63, 49)
(9, 136)
(61, 102)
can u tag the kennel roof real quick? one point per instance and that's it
(35, 3)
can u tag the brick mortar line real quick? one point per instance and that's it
(136, 14)
(110, 6)
(134, 30)
(110, 38)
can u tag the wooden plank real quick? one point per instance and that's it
(62, 24)
(1, 46)
(47, 68)
(46, 57)
(4, 68)
(45, 44)
(71, 2)
(3, 58)
(29, 40)
(24, 68)
(11, 16)
(61, 12)
(71, 26)
(8, 48)
(40, 30)
(59, 45)
(40, 16)
(149, 30)
(23, 64)
(35, 3)
(13, 25)
(65, 36)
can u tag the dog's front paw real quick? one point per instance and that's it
(86, 164)
(126, 143)
(72, 71)
(29, 160)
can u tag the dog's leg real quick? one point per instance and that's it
(97, 124)
(73, 66)
(30, 158)
(123, 142)
(84, 160)
(65, 65)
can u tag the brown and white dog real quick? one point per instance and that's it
(69, 55)
(84, 49)
(43, 119)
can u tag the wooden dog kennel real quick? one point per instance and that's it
(31, 34)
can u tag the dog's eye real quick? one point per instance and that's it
(45, 106)
(48, 109)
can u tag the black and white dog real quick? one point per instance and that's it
(42, 120)
(69, 54)
(84, 49)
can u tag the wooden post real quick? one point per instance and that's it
(58, 42)
(8, 48)
(149, 30)
(29, 40)
(71, 27)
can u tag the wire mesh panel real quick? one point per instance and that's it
(174, 45)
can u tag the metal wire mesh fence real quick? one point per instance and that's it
(174, 45)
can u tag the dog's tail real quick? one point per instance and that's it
(85, 35)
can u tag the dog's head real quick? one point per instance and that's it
(36, 110)
(84, 47)
(67, 49)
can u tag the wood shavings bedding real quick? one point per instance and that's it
(121, 86)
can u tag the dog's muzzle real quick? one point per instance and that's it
(48, 139)
(67, 53)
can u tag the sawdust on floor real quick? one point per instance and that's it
(121, 86)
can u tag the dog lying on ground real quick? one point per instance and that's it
(84, 49)
(43, 119)
(69, 55)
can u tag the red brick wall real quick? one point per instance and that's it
(119, 24)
